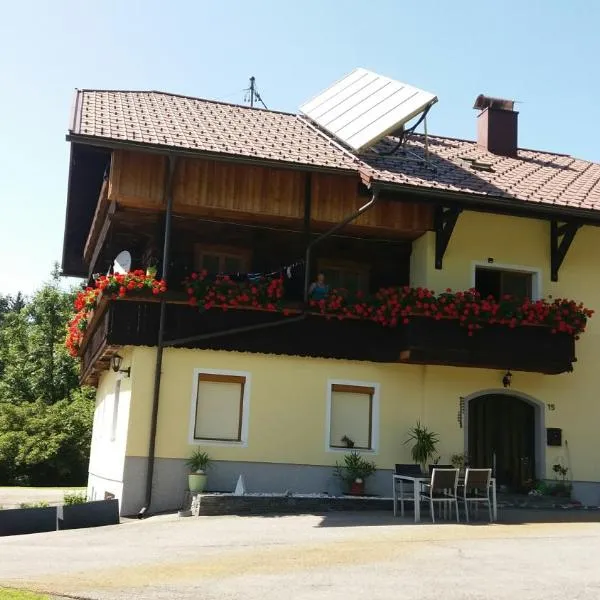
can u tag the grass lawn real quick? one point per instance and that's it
(42, 488)
(12, 497)
(6, 594)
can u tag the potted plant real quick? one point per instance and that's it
(197, 463)
(459, 461)
(77, 512)
(152, 267)
(424, 444)
(349, 443)
(561, 487)
(354, 470)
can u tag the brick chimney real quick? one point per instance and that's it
(497, 125)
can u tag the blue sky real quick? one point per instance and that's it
(542, 53)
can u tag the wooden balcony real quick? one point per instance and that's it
(527, 348)
(134, 321)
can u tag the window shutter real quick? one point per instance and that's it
(351, 415)
(219, 407)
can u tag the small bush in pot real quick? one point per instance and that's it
(424, 444)
(354, 470)
(197, 463)
(460, 461)
(70, 499)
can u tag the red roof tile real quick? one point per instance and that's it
(192, 124)
(459, 166)
(465, 167)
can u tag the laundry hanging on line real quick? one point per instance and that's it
(288, 272)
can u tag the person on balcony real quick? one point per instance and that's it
(318, 289)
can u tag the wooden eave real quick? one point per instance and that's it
(485, 203)
(112, 144)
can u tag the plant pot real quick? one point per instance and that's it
(151, 271)
(197, 482)
(357, 488)
(19, 521)
(97, 513)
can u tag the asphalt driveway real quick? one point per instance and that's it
(340, 555)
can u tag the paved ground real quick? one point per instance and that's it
(337, 556)
(11, 497)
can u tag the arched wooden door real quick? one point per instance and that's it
(502, 435)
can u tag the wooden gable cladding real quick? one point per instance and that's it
(335, 196)
(207, 186)
(239, 192)
(137, 179)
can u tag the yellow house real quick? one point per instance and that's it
(272, 381)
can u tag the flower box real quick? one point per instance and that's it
(526, 348)
(88, 514)
(20, 521)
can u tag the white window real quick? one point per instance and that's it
(221, 259)
(115, 413)
(220, 407)
(340, 274)
(492, 279)
(352, 415)
(99, 417)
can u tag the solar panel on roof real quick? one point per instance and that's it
(363, 107)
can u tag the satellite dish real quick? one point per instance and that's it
(363, 107)
(122, 263)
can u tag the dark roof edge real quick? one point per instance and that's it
(163, 149)
(67, 208)
(75, 119)
(507, 206)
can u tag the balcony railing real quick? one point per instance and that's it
(422, 340)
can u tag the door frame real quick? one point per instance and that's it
(539, 411)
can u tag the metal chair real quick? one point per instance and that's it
(411, 470)
(476, 489)
(442, 490)
(432, 467)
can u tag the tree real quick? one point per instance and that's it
(35, 363)
(45, 417)
(46, 444)
(8, 306)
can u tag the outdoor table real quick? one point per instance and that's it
(418, 482)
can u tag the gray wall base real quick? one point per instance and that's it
(170, 481)
(587, 492)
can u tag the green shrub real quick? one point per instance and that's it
(354, 467)
(424, 444)
(74, 498)
(198, 462)
(40, 504)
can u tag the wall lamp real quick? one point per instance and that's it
(115, 362)
(507, 379)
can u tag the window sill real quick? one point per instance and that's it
(346, 450)
(239, 444)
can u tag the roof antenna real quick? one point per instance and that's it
(252, 94)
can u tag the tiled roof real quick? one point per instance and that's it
(199, 125)
(461, 166)
(465, 167)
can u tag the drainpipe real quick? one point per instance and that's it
(301, 317)
(168, 195)
(162, 343)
